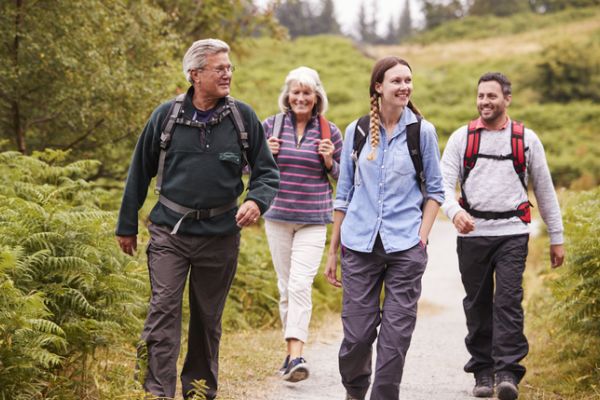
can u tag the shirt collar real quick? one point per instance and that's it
(479, 124)
(406, 118)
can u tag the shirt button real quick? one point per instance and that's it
(383, 166)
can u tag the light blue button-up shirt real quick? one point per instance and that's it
(384, 197)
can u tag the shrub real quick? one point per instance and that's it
(67, 291)
(569, 71)
(566, 312)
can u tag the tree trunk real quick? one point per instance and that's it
(18, 127)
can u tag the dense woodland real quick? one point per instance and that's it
(79, 80)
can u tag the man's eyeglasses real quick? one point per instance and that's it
(220, 70)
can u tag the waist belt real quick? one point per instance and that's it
(523, 212)
(202, 213)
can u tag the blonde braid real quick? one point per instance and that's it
(374, 126)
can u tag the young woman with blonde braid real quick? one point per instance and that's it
(382, 220)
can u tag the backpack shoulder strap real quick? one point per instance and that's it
(278, 125)
(413, 141)
(361, 132)
(517, 142)
(239, 125)
(165, 137)
(472, 148)
(325, 129)
(360, 136)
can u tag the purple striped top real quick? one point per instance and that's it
(304, 189)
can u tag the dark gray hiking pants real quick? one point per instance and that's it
(494, 313)
(211, 262)
(363, 275)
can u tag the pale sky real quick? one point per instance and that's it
(347, 12)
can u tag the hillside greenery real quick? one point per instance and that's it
(564, 308)
(477, 27)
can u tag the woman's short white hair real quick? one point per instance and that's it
(195, 57)
(305, 77)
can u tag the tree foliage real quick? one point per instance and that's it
(300, 19)
(402, 30)
(544, 6)
(67, 291)
(498, 8)
(405, 26)
(84, 76)
(81, 76)
(231, 20)
(437, 12)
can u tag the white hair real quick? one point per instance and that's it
(195, 57)
(305, 77)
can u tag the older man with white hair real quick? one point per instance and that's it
(196, 146)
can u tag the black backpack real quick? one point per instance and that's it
(413, 142)
(173, 119)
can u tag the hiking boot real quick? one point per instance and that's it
(484, 384)
(506, 386)
(297, 370)
(285, 365)
(350, 397)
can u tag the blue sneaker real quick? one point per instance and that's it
(296, 371)
(285, 365)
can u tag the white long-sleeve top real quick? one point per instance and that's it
(493, 185)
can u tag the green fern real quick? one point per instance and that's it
(66, 289)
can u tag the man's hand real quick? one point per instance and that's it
(247, 214)
(557, 255)
(463, 222)
(331, 270)
(128, 244)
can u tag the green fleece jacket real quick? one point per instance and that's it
(203, 169)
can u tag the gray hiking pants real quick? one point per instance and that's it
(363, 275)
(211, 263)
(491, 269)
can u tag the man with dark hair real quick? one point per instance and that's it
(493, 158)
(196, 146)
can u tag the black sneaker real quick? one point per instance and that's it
(506, 386)
(296, 371)
(484, 384)
(285, 365)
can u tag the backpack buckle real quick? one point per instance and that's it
(525, 210)
(164, 140)
(202, 213)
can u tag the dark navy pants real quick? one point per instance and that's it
(491, 269)
(363, 276)
(210, 262)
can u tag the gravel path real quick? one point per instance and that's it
(434, 363)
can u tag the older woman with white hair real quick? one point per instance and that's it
(307, 148)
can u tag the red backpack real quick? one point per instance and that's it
(518, 159)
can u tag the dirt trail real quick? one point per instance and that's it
(437, 354)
